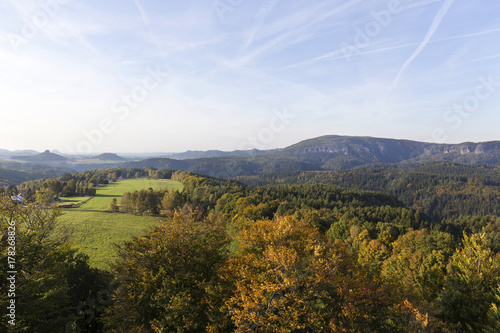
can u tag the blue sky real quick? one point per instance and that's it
(150, 75)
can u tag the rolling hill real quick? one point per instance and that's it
(193, 154)
(109, 157)
(8, 153)
(326, 153)
(45, 157)
(336, 153)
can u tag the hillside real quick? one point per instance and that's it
(109, 157)
(15, 173)
(46, 156)
(441, 191)
(343, 152)
(326, 153)
(6, 152)
(193, 154)
(336, 153)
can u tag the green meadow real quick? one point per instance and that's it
(95, 229)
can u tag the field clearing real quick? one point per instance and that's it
(73, 200)
(95, 230)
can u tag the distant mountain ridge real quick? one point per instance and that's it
(193, 154)
(332, 152)
(335, 152)
(27, 152)
(109, 157)
(46, 156)
(343, 152)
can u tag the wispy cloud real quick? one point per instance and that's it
(456, 57)
(299, 28)
(495, 56)
(144, 16)
(417, 4)
(264, 11)
(339, 54)
(75, 31)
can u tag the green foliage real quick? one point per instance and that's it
(113, 206)
(470, 287)
(441, 191)
(289, 278)
(171, 200)
(48, 282)
(167, 279)
(418, 262)
(277, 258)
(95, 229)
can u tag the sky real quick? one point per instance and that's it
(168, 76)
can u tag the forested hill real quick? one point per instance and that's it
(46, 156)
(331, 152)
(17, 173)
(341, 152)
(442, 191)
(327, 153)
(336, 153)
(190, 154)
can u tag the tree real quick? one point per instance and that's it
(418, 263)
(113, 206)
(471, 285)
(126, 202)
(493, 323)
(168, 279)
(48, 292)
(171, 200)
(288, 278)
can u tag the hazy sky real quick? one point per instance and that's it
(151, 75)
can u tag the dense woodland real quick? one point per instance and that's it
(16, 173)
(440, 191)
(362, 250)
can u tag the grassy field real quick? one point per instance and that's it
(73, 200)
(95, 229)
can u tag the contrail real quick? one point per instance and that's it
(264, 11)
(435, 24)
(147, 22)
(143, 13)
(334, 55)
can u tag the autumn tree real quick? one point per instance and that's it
(168, 279)
(471, 285)
(289, 278)
(171, 200)
(418, 263)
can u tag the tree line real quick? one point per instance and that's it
(440, 191)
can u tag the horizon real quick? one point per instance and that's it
(144, 77)
(153, 153)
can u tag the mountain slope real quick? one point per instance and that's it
(190, 154)
(340, 152)
(46, 156)
(336, 153)
(331, 152)
(5, 152)
(109, 157)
